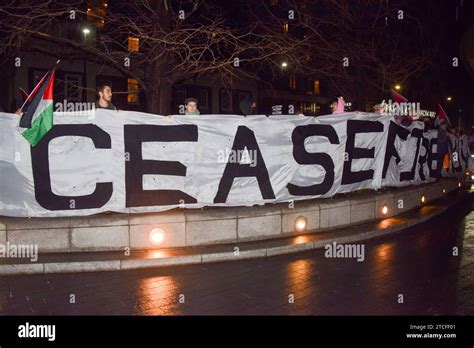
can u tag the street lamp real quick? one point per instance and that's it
(449, 98)
(398, 87)
(85, 31)
(284, 65)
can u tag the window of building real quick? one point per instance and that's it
(203, 99)
(96, 12)
(37, 76)
(132, 96)
(285, 27)
(181, 95)
(72, 87)
(133, 44)
(226, 100)
(292, 82)
(316, 87)
(302, 108)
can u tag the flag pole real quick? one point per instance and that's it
(34, 89)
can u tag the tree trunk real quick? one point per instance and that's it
(158, 97)
(159, 89)
(159, 86)
(165, 99)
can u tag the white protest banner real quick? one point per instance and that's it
(128, 162)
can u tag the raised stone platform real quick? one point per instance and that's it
(118, 260)
(214, 226)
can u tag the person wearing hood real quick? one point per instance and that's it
(248, 106)
(337, 106)
(442, 148)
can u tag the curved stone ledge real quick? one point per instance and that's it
(217, 225)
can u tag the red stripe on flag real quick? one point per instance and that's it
(48, 94)
(398, 97)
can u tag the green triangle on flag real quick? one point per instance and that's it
(37, 117)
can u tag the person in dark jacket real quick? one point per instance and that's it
(248, 106)
(104, 97)
(443, 146)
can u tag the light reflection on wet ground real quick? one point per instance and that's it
(417, 265)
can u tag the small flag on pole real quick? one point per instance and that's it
(37, 117)
(398, 98)
(442, 116)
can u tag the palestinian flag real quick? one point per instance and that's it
(37, 117)
(398, 98)
(442, 116)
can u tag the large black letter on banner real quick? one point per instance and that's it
(42, 178)
(136, 166)
(354, 127)
(423, 159)
(434, 157)
(393, 131)
(301, 156)
(244, 137)
(410, 175)
(464, 155)
(456, 146)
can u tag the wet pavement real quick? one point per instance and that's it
(416, 272)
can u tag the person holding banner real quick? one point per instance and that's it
(190, 105)
(337, 105)
(443, 148)
(378, 109)
(104, 94)
(248, 106)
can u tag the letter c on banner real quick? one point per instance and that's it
(42, 177)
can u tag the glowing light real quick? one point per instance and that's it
(459, 184)
(449, 98)
(398, 87)
(444, 190)
(284, 64)
(384, 210)
(156, 236)
(301, 240)
(423, 199)
(86, 31)
(300, 223)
